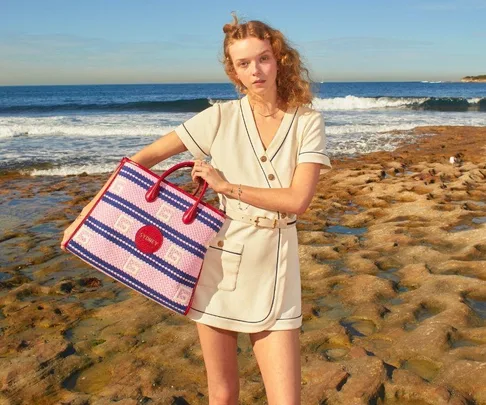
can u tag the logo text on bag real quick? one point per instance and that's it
(148, 239)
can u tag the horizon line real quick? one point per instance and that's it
(225, 82)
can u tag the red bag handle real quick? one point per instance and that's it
(153, 192)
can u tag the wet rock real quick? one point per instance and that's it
(320, 377)
(407, 386)
(364, 383)
(14, 281)
(364, 288)
(467, 377)
(360, 265)
(90, 282)
(63, 287)
(392, 254)
(426, 341)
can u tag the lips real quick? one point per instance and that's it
(259, 81)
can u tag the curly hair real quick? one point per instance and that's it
(293, 82)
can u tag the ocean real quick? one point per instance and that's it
(61, 130)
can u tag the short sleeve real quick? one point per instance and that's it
(198, 132)
(313, 143)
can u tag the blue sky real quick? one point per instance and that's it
(149, 41)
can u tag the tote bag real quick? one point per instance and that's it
(149, 234)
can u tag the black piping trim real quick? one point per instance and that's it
(273, 297)
(205, 154)
(228, 251)
(293, 118)
(278, 243)
(291, 223)
(249, 138)
(319, 153)
(284, 319)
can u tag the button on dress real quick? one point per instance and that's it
(250, 280)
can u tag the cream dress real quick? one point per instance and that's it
(250, 280)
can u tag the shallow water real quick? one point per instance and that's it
(478, 306)
(359, 327)
(345, 230)
(422, 367)
(479, 220)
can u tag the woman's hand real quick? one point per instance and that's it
(69, 231)
(205, 171)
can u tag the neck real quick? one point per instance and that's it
(264, 104)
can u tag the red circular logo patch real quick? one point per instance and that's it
(148, 239)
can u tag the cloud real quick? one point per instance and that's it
(31, 59)
(66, 49)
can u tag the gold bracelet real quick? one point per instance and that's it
(239, 196)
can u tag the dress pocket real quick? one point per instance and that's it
(221, 264)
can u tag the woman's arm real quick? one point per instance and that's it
(293, 200)
(163, 148)
(159, 150)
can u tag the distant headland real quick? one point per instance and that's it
(480, 78)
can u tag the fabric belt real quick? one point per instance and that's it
(259, 221)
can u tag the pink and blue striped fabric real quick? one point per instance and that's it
(107, 237)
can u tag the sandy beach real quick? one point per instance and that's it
(393, 256)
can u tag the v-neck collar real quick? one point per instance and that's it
(279, 136)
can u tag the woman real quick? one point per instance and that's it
(267, 150)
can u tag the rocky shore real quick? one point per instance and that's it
(474, 79)
(393, 253)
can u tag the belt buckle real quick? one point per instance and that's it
(257, 219)
(275, 221)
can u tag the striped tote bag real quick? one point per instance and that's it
(148, 234)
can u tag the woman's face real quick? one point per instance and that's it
(255, 65)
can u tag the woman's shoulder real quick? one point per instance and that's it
(307, 113)
(228, 106)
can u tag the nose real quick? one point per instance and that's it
(255, 68)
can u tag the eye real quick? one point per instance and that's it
(265, 57)
(242, 64)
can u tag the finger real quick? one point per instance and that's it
(196, 176)
(70, 228)
(199, 170)
(195, 170)
(200, 176)
(64, 241)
